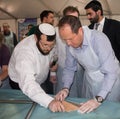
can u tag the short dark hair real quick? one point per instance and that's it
(45, 13)
(70, 9)
(38, 33)
(30, 25)
(73, 21)
(95, 5)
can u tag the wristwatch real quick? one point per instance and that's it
(99, 99)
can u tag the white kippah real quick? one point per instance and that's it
(47, 29)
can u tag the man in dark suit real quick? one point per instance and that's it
(110, 27)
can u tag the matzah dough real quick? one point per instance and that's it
(69, 106)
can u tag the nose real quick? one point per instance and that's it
(48, 48)
(89, 17)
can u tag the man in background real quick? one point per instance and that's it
(28, 28)
(75, 89)
(46, 16)
(110, 27)
(10, 37)
(4, 60)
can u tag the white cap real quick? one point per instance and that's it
(47, 29)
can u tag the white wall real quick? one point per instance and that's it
(84, 20)
(115, 17)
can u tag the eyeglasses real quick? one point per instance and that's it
(46, 46)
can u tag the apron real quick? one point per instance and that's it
(93, 78)
(9, 42)
(75, 89)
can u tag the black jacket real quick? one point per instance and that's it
(112, 30)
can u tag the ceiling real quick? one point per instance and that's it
(18, 9)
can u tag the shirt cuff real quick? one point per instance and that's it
(103, 94)
(43, 99)
(66, 86)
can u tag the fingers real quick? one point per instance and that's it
(59, 97)
(90, 110)
(57, 109)
(56, 106)
(88, 106)
(85, 109)
(62, 94)
(60, 108)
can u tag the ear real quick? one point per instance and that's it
(99, 12)
(80, 30)
(45, 19)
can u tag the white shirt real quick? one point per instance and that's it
(101, 25)
(30, 68)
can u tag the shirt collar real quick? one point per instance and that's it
(102, 21)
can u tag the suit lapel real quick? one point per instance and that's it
(91, 26)
(106, 26)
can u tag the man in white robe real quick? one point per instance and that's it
(29, 65)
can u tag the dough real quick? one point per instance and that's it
(70, 106)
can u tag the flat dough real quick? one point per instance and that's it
(69, 106)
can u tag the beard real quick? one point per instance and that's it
(40, 50)
(6, 33)
(94, 20)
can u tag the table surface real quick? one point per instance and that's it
(108, 110)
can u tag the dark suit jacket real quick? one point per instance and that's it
(112, 30)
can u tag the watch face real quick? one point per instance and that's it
(99, 99)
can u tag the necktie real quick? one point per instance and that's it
(96, 25)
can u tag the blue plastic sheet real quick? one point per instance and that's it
(108, 110)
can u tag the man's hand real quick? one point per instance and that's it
(53, 79)
(56, 106)
(88, 106)
(61, 95)
(53, 68)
